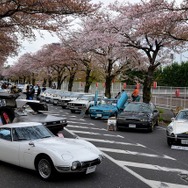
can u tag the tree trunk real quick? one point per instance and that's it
(88, 81)
(71, 80)
(147, 85)
(59, 82)
(108, 87)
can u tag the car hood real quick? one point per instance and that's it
(41, 118)
(179, 126)
(76, 148)
(34, 104)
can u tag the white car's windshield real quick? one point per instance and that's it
(182, 115)
(31, 133)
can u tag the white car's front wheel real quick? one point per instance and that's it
(45, 168)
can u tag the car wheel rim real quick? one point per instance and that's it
(44, 168)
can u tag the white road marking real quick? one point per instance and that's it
(151, 183)
(80, 123)
(111, 142)
(84, 127)
(134, 153)
(92, 133)
(152, 167)
(179, 147)
(159, 184)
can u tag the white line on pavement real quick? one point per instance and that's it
(112, 142)
(134, 153)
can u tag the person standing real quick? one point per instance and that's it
(27, 92)
(135, 94)
(32, 92)
(38, 92)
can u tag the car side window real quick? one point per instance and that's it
(5, 134)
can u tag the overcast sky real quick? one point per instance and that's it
(28, 46)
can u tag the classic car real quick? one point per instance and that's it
(84, 102)
(31, 145)
(177, 130)
(108, 108)
(138, 115)
(63, 102)
(33, 110)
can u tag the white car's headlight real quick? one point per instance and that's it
(76, 165)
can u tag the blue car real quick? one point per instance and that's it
(111, 107)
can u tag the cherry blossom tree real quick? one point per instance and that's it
(140, 28)
(99, 38)
(18, 18)
(83, 58)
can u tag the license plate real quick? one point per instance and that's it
(99, 115)
(90, 169)
(132, 126)
(184, 142)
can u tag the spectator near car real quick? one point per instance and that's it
(135, 94)
(38, 92)
(32, 92)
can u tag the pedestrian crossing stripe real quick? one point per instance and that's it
(112, 142)
(83, 123)
(150, 183)
(98, 134)
(127, 152)
(89, 128)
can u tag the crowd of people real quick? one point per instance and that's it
(30, 92)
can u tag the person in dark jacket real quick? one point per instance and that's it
(32, 92)
(27, 92)
(38, 92)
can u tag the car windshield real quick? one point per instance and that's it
(86, 97)
(31, 133)
(108, 102)
(137, 107)
(182, 115)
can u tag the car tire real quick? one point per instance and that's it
(45, 168)
(72, 111)
(117, 127)
(92, 117)
(151, 128)
(169, 142)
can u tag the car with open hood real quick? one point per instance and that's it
(31, 145)
(108, 108)
(177, 130)
(33, 110)
(138, 115)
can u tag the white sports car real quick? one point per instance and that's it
(33, 146)
(177, 130)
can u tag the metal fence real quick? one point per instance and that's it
(163, 96)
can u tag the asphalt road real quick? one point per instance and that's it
(133, 159)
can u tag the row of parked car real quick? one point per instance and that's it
(129, 115)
